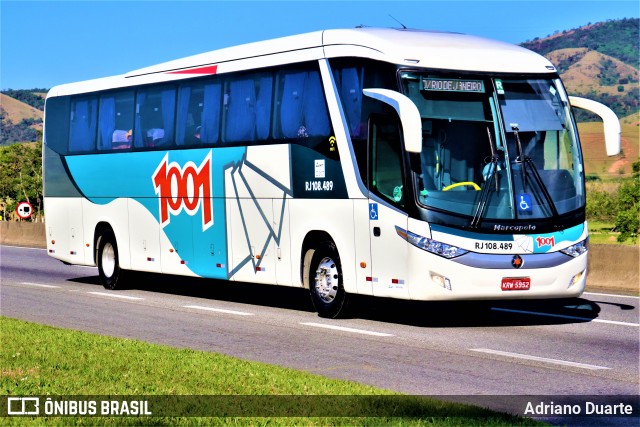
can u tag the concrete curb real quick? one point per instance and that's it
(28, 234)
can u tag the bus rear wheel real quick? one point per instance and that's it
(111, 275)
(325, 282)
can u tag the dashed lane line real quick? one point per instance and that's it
(345, 329)
(105, 294)
(39, 285)
(539, 359)
(218, 310)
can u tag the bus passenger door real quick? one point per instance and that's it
(387, 200)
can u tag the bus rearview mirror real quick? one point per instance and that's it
(609, 118)
(408, 113)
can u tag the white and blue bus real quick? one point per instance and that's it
(387, 162)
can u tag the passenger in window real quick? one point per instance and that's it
(196, 135)
(155, 137)
(121, 139)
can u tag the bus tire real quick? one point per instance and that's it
(111, 275)
(325, 282)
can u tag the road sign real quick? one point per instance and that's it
(24, 210)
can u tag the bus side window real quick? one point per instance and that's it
(291, 104)
(155, 110)
(241, 111)
(211, 109)
(303, 108)
(83, 124)
(316, 115)
(264, 104)
(198, 118)
(115, 121)
(385, 159)
(350, 89)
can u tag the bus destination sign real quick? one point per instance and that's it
(453, 85)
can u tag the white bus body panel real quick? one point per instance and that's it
(468, 283)
(389, 253)
(419, 48)
(329, 216)
(433, 49)
(257, 197)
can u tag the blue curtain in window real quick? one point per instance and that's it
(168, 102)
(263, 108)
(316, 117)
(93, 124)
(211, 114)
(107, 121)
(351, 93)
(79, 131)
(184, 96)
(139, 134)
(241, 120)
(291, 112)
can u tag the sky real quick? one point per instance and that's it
(46, 43)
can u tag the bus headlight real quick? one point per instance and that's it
(577, 249)
(430, 245)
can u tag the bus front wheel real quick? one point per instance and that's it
(111, 276)
(325, 282)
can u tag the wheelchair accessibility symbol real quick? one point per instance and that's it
(524, 203)
(373, 211)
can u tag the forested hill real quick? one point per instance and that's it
(599, 61)
(21, 121)
(32, 97)
(618, 39)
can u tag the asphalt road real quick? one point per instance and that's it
(582, 346)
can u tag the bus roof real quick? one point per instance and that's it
(416, 48)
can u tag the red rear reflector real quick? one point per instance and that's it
(211, 69)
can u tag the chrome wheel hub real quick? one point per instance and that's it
(108, 260)
(326, 280)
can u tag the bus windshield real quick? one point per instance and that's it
(495, 148)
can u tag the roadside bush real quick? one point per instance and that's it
(601, 205)
(628, 207)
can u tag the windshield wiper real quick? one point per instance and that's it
(484, 194)
(525, 161)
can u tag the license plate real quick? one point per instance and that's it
(516, 283)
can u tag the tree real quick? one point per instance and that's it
(21, 178)
(628, 209)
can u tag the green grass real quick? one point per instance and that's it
(39, 360)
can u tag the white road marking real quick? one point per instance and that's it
(564, 316)
(345, 329)
(40, 285)
(539, 359)
(104, 294)
(218, 310)
(23, 247)
(610, 295)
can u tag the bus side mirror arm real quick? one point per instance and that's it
(408, 113)
(609, 118)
